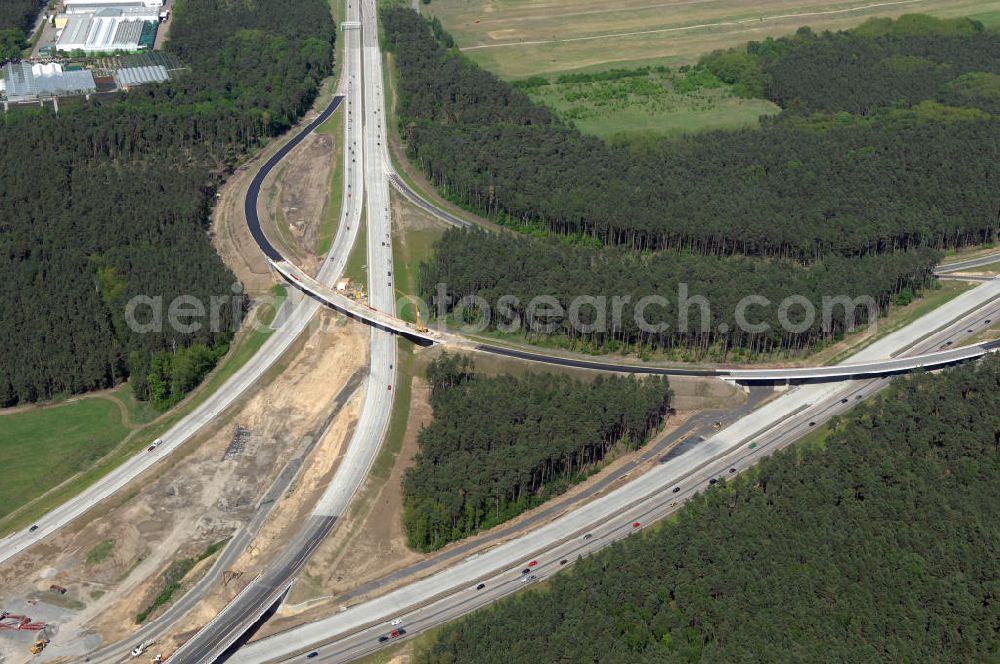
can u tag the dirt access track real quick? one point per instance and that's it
(370, 544)
(293, 202)
(113, 560)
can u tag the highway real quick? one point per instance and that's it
(384, 319)
(430, 600)
(269, 353)
(969, 264)
(190, 425)
(365, 313)
(215, 638)
(373, 181)
(156, 628)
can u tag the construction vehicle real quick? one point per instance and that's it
(39, 645)
(419, 327)
(157, 659)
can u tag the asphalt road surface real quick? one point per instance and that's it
(433, 599)
(156, 628)
(331, 269)
(247, 608)
(970, 264)
(246, 376)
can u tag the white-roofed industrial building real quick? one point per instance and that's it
(107, 31)
(91, 6)
(27, 82)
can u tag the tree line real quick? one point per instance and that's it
(17, 18)
(500, 445)
(779, 191)
(877, 545)
(850, 203)
(117, 200)
(497, 268)
(881, 63)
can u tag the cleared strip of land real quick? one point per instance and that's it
(519, 38)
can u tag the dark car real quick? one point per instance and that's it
(732, 470)
(713, 481)
(383, 638)
(562, 562)
(676, 489)
(480, 586)
(525, 570)
(812, 424)
(312, 654)
(33, 528)
(587, 536)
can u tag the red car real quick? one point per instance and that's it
(532, 563)
(635, 524)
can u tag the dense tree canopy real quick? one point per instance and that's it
(500, 445)
(116, 202)
(500, 267)
(17, 17)
(809, 198)
(784, 190)
(877, 546)
(880, 63)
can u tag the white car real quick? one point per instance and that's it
(397, 621)
(156, 443)
(137, 650)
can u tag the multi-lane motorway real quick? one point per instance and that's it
(366, 141)
(429, 600)
(246, 376)
(263, 592)
(386, 320)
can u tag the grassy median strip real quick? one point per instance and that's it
(334, 128)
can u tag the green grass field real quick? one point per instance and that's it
(519, 38)
(356, 266)
(334, 127)
(406, 259)
(41, 447)
(49, 454)
(654, 101)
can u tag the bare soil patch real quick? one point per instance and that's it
(198, 496)
(371, 544)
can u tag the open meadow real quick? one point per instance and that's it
(637, 103)
(521, 38)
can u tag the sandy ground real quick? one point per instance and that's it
(199, 496)
(371, 542)
(295, 198)
(231, 236)
(308, 166)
